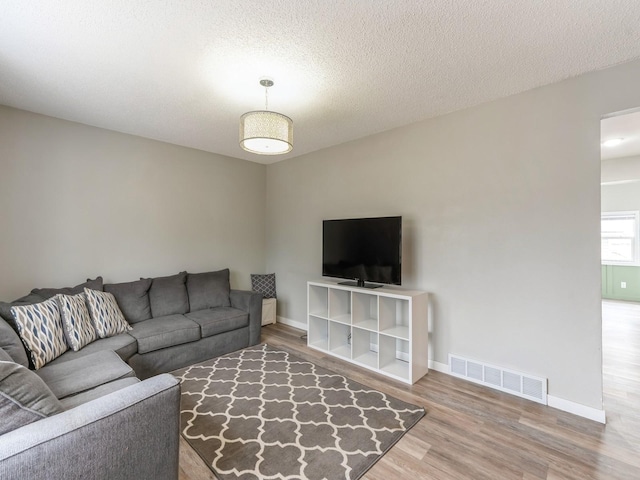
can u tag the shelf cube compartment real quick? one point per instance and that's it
(365, 347)
(340, 305)
(318, 334)
(394, 357)
(394, 317)
(365, 311)
(340, 339)
(318, 298)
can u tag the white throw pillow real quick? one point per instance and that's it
(106, 316)
(76, 321)
(40, 328)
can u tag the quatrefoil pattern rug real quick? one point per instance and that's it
(261, 413)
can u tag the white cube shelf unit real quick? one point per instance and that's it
(383, 329)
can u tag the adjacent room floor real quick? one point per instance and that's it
(472, 432)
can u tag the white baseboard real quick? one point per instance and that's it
(291, 323)
(577, 409)
(439, 367)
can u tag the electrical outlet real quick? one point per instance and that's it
(623, 284)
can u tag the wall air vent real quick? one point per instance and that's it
(515, 383)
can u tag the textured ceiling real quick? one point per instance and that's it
(183, 71)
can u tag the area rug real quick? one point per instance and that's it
(263, 413)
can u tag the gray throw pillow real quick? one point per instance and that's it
(132, 298)
(4, 356)
(264, 284)
(168, 295)
(11, 344)
(208, 290)
(24, 397)
(47, 293)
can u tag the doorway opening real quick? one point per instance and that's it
(620, 242)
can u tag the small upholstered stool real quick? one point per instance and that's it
(268, 311)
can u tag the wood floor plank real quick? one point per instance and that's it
(191, 465)
(472, 432)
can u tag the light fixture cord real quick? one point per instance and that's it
(266, 98)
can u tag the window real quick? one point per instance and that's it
(620, 238)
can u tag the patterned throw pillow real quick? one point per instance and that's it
(264, 284)
(40, 328)
(105, 314)
(76, 321)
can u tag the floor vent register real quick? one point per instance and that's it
(509, 381)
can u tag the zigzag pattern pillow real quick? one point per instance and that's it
(76, 321)
(264, 284)
(105, 314)
(40, 328)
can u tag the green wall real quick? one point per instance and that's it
(614, 275)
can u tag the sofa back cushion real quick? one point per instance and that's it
(132, 298)
(208, 290)
(11, 344)
(5, 307)
(47, 293)
(24, 397)
(168, 295)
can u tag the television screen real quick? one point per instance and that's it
(363, 249)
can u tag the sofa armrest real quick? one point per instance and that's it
(250, 302)
(131, 433)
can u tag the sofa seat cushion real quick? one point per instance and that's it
(163, 332)
(123, 344)
(84, 397)
(213, 321)
(24, 397)
(84, 373)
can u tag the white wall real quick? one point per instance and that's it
(619, 170)
(79, 201)
(501, 210)
(621, 184)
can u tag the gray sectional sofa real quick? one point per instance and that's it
(109, 410)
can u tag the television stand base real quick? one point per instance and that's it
(361, 284)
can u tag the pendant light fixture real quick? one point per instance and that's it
(265, 132)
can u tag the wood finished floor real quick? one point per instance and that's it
(473, 432)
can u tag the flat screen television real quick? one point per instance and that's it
(364, 250)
